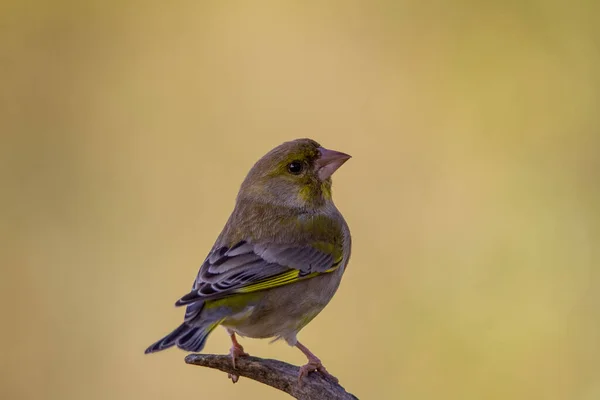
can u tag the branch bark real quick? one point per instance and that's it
(277, 374)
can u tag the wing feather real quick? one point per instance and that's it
(246, 267)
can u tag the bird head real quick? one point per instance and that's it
(294, 174)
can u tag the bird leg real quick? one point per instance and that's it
(314, 364)
(235, 351)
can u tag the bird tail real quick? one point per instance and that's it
(186, 336)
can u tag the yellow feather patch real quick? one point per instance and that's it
(212, 326)
(282, 279)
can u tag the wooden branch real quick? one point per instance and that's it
(277, 374)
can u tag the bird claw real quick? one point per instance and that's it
(235, 352)
(315, 365)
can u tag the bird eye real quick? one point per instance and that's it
(295, 167)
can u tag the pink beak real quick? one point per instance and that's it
(329, 162)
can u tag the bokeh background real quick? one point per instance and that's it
(473, 196)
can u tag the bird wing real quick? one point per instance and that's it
(246, 267)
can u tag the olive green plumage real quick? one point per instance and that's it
(280, 257)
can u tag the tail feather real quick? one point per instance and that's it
(185, 336)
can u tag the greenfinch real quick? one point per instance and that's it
(279, 259)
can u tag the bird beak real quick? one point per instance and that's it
(329, 162)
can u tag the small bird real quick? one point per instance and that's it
(279, 259)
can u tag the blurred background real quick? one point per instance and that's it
(473, 195)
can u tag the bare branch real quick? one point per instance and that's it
(277, 374)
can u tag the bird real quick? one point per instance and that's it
(278, 261)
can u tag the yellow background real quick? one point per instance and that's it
(473, 195)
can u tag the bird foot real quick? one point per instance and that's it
(236, 351)
(234, 378)
(314, 364)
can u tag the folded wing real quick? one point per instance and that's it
(246, 267)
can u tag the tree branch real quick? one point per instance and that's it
(277, 374)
